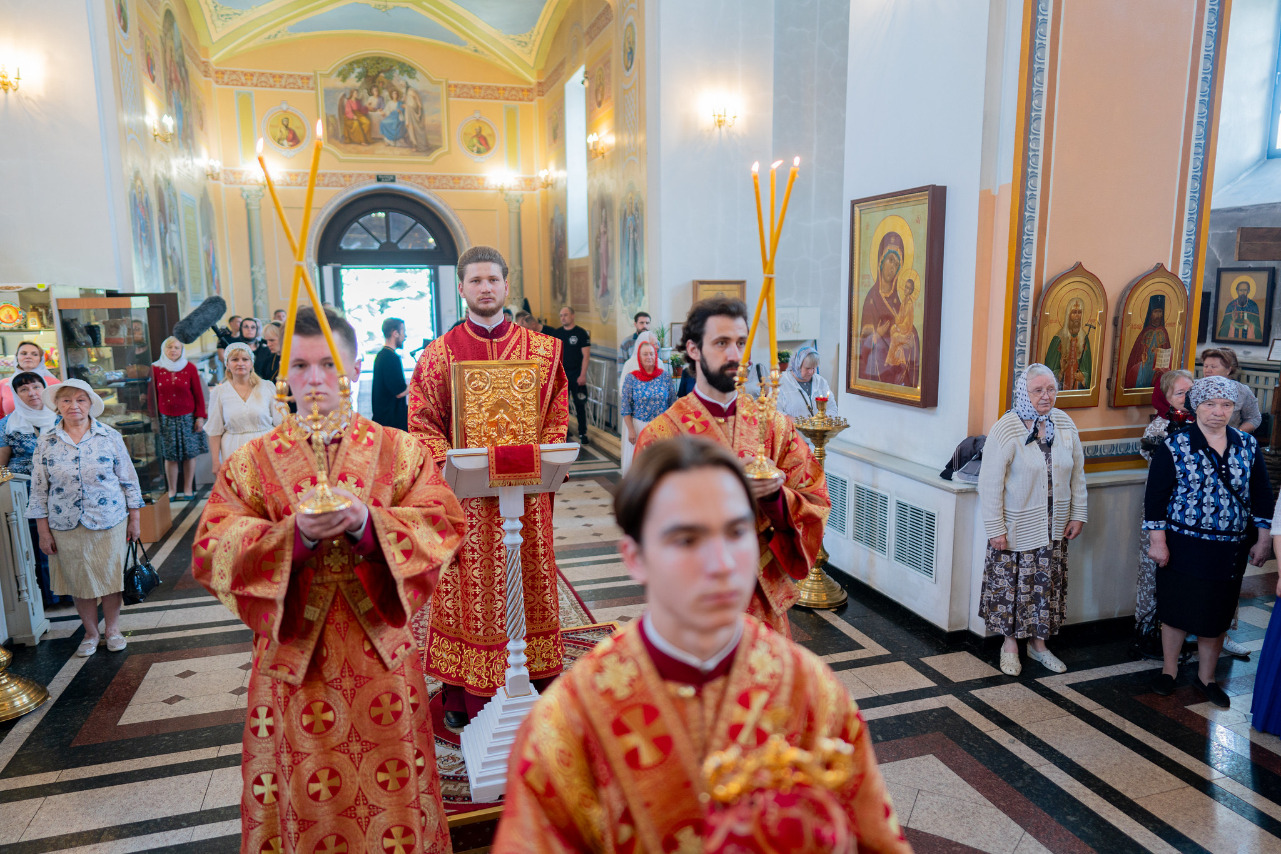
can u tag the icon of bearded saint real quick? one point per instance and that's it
(1069, 354)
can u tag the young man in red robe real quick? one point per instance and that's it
(466, 646)
(677, 733)
(790, 510)
(338, 752)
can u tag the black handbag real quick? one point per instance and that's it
(140, 577)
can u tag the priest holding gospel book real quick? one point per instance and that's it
(695, 728)
(466, 646)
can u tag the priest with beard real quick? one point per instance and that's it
(791, 510)
(466, 631)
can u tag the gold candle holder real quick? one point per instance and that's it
(817, 589)
(761, 467)
(319, 429)
(18, 694)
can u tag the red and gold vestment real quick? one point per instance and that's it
(338, 752)
(611, 759)
(467, 634)
(790, 527)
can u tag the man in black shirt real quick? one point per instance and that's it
(389, 404)
(577, 353)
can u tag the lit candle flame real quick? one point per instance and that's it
(320, 129)
(775, 165)
(796, 162)
(260, 146)
(756, 167)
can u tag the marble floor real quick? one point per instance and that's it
(139, 751)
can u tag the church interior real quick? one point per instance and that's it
(1086, 184)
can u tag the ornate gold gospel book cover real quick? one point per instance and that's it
(496, 403)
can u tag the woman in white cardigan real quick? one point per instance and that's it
(1032, 492)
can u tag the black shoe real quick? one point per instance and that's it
(1213, 693)
(1163, 684)
(584, 441)
(456, 720)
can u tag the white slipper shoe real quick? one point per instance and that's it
(1048, 660)
(87, 648)
(1010, 664)
(116, 643)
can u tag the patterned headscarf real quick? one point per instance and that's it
(1212, 388)
(798, 359)
(1024, 409)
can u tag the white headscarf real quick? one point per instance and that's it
(29, 419)
(633, 361)
(40, 369)
(168, 364)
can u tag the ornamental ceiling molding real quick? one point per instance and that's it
(228, 31)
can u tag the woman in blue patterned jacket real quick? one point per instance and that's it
(1207, 488)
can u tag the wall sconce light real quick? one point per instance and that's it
(547, 178)
(162, 130)
(598, 145)
(213, 169)
(721, 119)
(7, 83)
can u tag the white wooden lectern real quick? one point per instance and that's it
(487, 740)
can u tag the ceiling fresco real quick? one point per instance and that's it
(513, 34)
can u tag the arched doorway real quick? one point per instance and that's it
(385, 254)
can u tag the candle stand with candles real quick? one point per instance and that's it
(817, 589)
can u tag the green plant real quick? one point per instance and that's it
(677, 361)
(661, 334)
(784, 356)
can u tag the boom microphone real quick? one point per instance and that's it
(203, 316)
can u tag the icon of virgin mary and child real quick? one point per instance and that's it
(889, 345)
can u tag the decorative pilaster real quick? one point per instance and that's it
(257, 264)
(515, 276)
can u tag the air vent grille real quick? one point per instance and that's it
(870, 519)
(914, 530)
(838, 491)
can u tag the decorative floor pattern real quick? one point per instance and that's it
(140, 751)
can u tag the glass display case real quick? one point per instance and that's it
(110, 343)
(26, 314)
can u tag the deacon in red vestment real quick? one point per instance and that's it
(695, 728)
(790, 511)
(338, 752)
(466, 646)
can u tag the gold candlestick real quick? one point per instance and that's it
(818, 590)
(321, 430)
(18, 694)
(761, 467)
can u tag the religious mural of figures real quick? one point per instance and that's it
(1069, 330)
(122, 16)
(379, 106)
(896, 294)
(149, 57)
(631, 250)
(1151, 329)
(208, 246)
(600, 236)
(169, 230)
(178, 102)
(478, 136)
(142, 227)
(560, 257)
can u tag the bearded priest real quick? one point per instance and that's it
(695, 728)
(338, 753)
(466, 646)
(791, 510)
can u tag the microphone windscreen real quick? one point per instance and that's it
(207, 314)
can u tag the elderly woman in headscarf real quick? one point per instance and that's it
(1032, 495)
(180, 399)
(1170, 399)
(646, 392)
(1207, 487)
(801, 383)
(19, 431)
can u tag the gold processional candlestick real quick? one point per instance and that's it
(762, 467)
(817, 589)
(18, 694)
(321, 429)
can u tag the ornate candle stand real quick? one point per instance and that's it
(18, 694)
(817, 589)
(319, 429)
(761, 467)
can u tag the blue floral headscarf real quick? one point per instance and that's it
(1024, 409)
(1211, 388)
